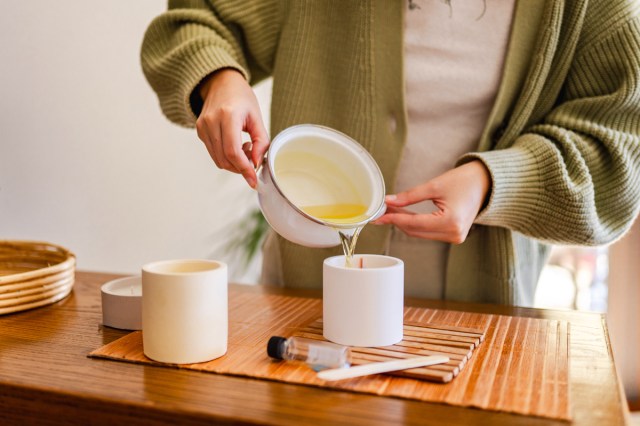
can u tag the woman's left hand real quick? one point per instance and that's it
(458, 195)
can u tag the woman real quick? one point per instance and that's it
(519, 122)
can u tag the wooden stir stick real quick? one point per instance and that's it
(381, 367)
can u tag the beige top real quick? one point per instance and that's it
(454, 55)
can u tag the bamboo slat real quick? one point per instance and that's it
(500, 363)
(446, 341)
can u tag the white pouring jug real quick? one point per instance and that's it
(310, 165)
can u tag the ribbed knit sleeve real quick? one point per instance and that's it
(195, 38)
(574, 175)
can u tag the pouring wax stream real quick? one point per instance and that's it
(342, 214)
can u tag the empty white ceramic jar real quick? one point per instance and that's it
(184, 310)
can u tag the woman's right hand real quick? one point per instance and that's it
(230, 107)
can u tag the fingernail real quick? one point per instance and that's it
(391, 197)
(251, 182)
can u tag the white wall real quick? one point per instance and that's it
(623, 316)
(87, 160)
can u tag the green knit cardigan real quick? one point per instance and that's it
(562, 143)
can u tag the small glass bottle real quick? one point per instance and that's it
(317, 354)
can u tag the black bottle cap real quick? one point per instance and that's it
(275, 347)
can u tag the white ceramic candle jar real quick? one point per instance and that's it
(363, 305)
(184, 310)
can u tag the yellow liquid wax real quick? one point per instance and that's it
(322, 190)
(338, 213)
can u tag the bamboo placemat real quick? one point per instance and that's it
(521, 367)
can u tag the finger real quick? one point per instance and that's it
(410, 225)
(419, 193)
(434, 236)
(437, 225)
(231, 132)
(418, 223)
(246, 148)
(259, 137)
(427, 226)
(204, 137)
(394, 209)
(216, 145)
(410, 221)
(384, 220)
(438, 236)
(203, 130)
(212, 154)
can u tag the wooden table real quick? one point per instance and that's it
(46, 377)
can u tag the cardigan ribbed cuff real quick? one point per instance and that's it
(516, 186)
(177, 103)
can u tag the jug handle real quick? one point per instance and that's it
(259, 168)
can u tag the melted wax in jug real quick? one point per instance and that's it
(304, 176)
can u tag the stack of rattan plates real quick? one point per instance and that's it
(33, 274)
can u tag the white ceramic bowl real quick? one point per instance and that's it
(122, 303)
(346, 156)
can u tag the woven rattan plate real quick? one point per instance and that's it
(33, 274)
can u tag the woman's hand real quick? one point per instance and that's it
(458, 194)
(230, 107)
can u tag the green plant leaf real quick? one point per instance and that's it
(247, 239)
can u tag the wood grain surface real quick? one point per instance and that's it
(47, 378)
